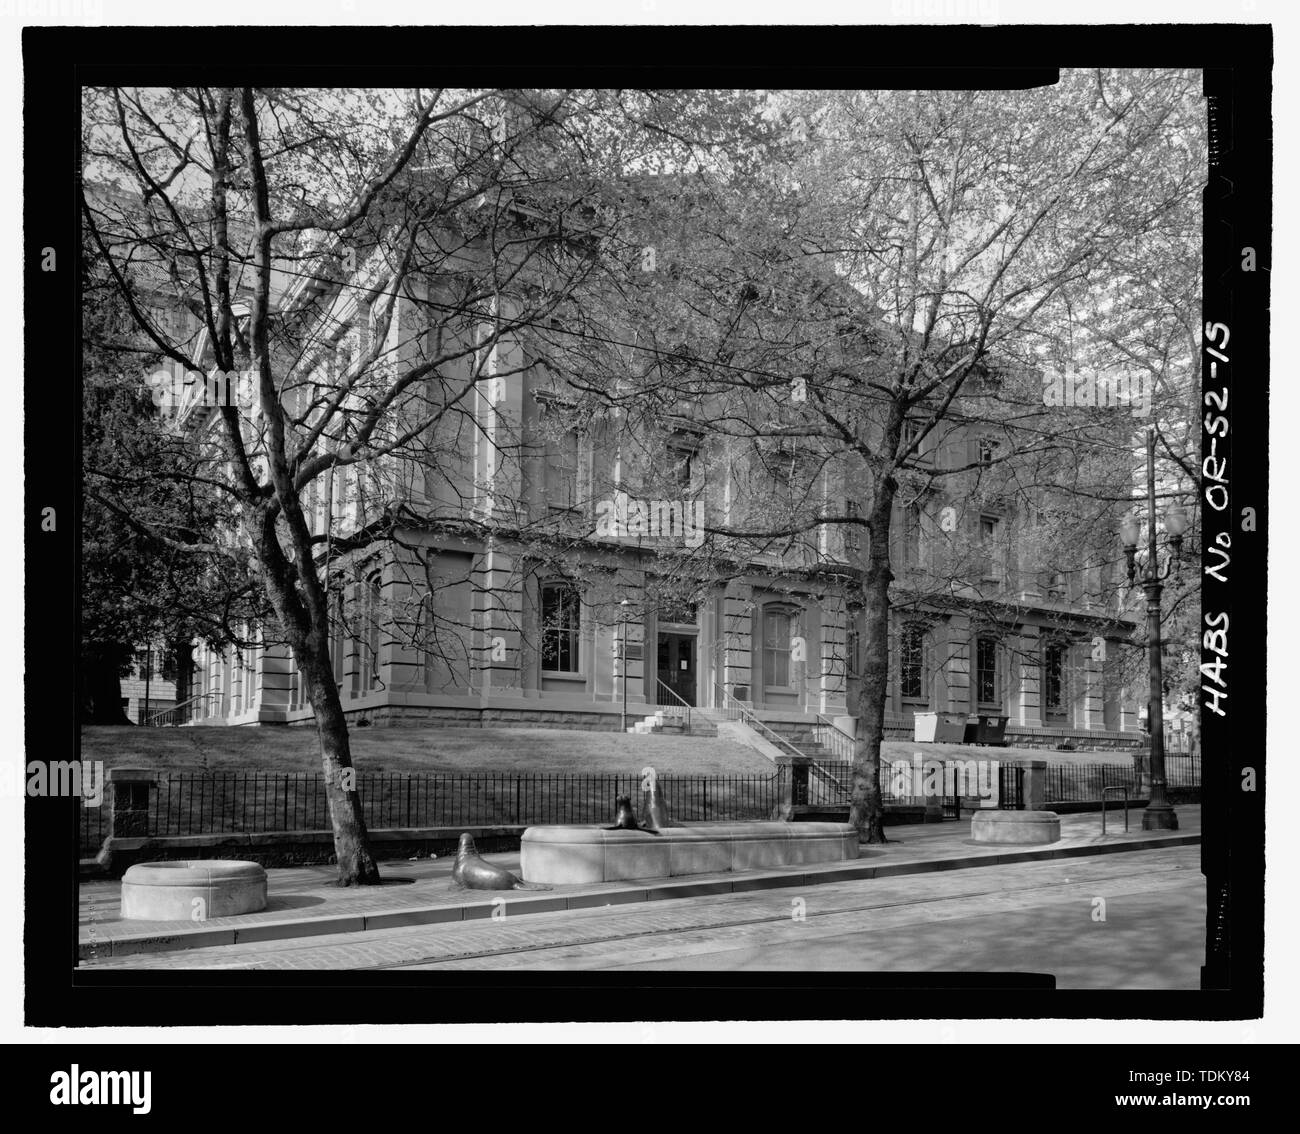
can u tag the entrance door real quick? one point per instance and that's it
(677, 664)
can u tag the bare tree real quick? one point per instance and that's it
(876, 273)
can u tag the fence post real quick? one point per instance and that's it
(1035, 785)
(792, 786)
(129, 801)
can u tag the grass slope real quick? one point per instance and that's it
(420, 749)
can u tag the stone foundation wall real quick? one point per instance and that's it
(383, 716)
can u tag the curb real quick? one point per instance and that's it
(656, 891)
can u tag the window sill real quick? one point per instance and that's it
(563, 675)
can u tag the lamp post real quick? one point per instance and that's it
(1159, 815)
(622, 661)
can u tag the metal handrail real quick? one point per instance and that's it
(1104, 790)
(748, 717)
(150, 721)
(665, 688)
(844, 746)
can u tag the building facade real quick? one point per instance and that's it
(536, 562)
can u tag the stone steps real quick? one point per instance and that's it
(665, 721)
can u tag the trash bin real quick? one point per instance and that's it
(939, 728)
(986, 729)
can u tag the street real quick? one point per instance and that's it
(1117, 921)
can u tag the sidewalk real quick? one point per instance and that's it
(305, 901)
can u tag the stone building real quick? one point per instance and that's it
(535, 561)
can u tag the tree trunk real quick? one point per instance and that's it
(356, 865)
(866, 811)
(101, 686)
(351, 843)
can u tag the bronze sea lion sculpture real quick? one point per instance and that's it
(472, 872)
(625, 817)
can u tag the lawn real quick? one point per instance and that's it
(267, 779)
(258, 779)
(904, 749)
(413, 748)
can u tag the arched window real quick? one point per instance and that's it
(913, 678)
(561, 628)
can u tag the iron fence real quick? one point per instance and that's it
(229, 802)
(92, 827)
(183, 803)
(1084, 783)
(831, 782)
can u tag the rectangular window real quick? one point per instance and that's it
(912, 536)
(561, 471)
(1054, 678)
(681, 460)
(373, 615)
(854, 534)
(852, 651)
(776, 647)
(680, 612)
(925, 450)
(987, 550)
(912, 662)
(986, 670)
(561, 628)
(337, 650)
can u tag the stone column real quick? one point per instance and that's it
(1026, 670)
(401, 598)
(1092, 702)
(497, 617)
(831, 690)
(738, 664)
(952, 657)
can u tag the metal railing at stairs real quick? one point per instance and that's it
(738, 710)
(179, 714)
(674, 705)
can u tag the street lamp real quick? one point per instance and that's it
(1159, 815)
(622, 661)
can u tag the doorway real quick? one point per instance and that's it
(676, 665)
